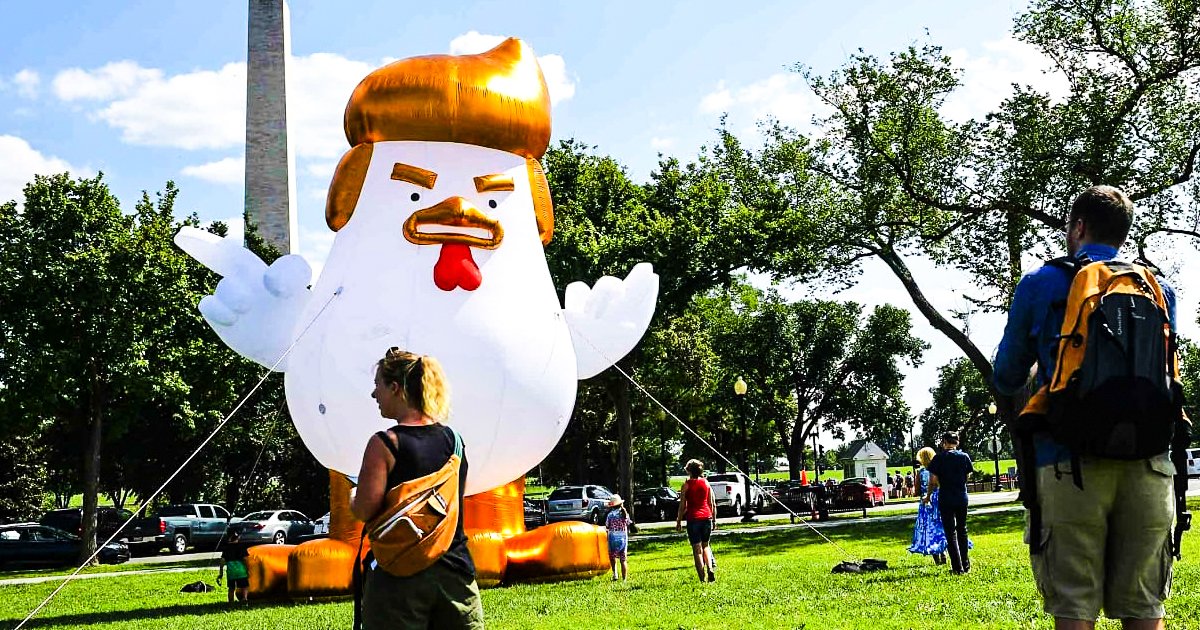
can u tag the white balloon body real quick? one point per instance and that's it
(505, 346)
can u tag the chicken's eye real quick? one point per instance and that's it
(415, 196)
(491, 203)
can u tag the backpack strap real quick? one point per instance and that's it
(458, 443)
(360, 564)
(1180, 442)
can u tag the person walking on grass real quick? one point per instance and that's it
(1099, 525)
(699, 508)
(617, 523)
(949, 470)
(233, 566)
(928, 536)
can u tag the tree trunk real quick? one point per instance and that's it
(935, 318)
(618, 390)
(91, 467)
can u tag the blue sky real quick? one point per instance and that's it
(147, 91)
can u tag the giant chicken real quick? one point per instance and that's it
(441, 212)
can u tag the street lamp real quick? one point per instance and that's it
(991, 409)
(740, 388)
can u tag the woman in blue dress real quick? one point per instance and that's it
(928, 536)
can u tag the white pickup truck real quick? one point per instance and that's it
(729, 491)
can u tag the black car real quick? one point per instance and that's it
(108, 520)
(655, 504)
(535, 514)
(34, 544)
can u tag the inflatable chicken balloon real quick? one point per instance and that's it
(441, 211)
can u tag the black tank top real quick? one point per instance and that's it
(419, 451)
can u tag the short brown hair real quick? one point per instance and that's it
(1106, 212)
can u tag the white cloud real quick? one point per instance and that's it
(314, 246)
(230, 170)
(321, 169)
(474, 42)
(661, 143)
(558, 82)
(112, 80)
(988, 78)
(783, 96)
(19, 162)
(319, 85)
(554, 67)
(27, 82)
(197, 110)
(206, 109)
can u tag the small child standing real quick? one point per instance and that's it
(233, 565)
(617, 524)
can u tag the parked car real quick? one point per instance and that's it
(321, 526)
(578, 503)
(793, 494)
(178, 526)
(655, 504)
(729, 490)
(860, 492)
(108, 520)
(535, 514)
(35, 544)
(273, 526)
(1193, 462)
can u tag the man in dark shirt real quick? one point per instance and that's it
(949, 470)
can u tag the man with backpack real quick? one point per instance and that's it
(1094, 438)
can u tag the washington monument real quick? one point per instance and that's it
(270, 194)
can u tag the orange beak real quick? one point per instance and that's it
(447, 216)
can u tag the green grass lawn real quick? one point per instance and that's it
(777, 579)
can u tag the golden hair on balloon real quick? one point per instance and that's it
(496, 99)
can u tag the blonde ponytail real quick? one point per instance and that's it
(422, 380)
(435, 389)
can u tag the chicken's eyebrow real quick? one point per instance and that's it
(414, 175)
(489, 183)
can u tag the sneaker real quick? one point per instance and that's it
(712, 577)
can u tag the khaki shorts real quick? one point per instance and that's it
(1107, 546)
(438, 597)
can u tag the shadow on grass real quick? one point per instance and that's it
(887, 534)
(125, 616)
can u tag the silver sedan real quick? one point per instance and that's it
(277, 526)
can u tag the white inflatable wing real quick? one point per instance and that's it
(608, 320)
(255, 307)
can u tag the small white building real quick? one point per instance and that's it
(867, 460)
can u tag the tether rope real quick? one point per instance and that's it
(187, 461)
(712, 448)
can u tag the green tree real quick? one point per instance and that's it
(839, 369)
(698, 224)
(104, 343)
(898, 179)
(1189, 372)
(960, 403)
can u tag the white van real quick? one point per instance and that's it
(781, 463)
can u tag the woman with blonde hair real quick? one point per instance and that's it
(928, 536)
(412, 390)
(697, 505)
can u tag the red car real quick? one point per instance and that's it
(860, 492)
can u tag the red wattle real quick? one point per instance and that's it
(456, 268)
